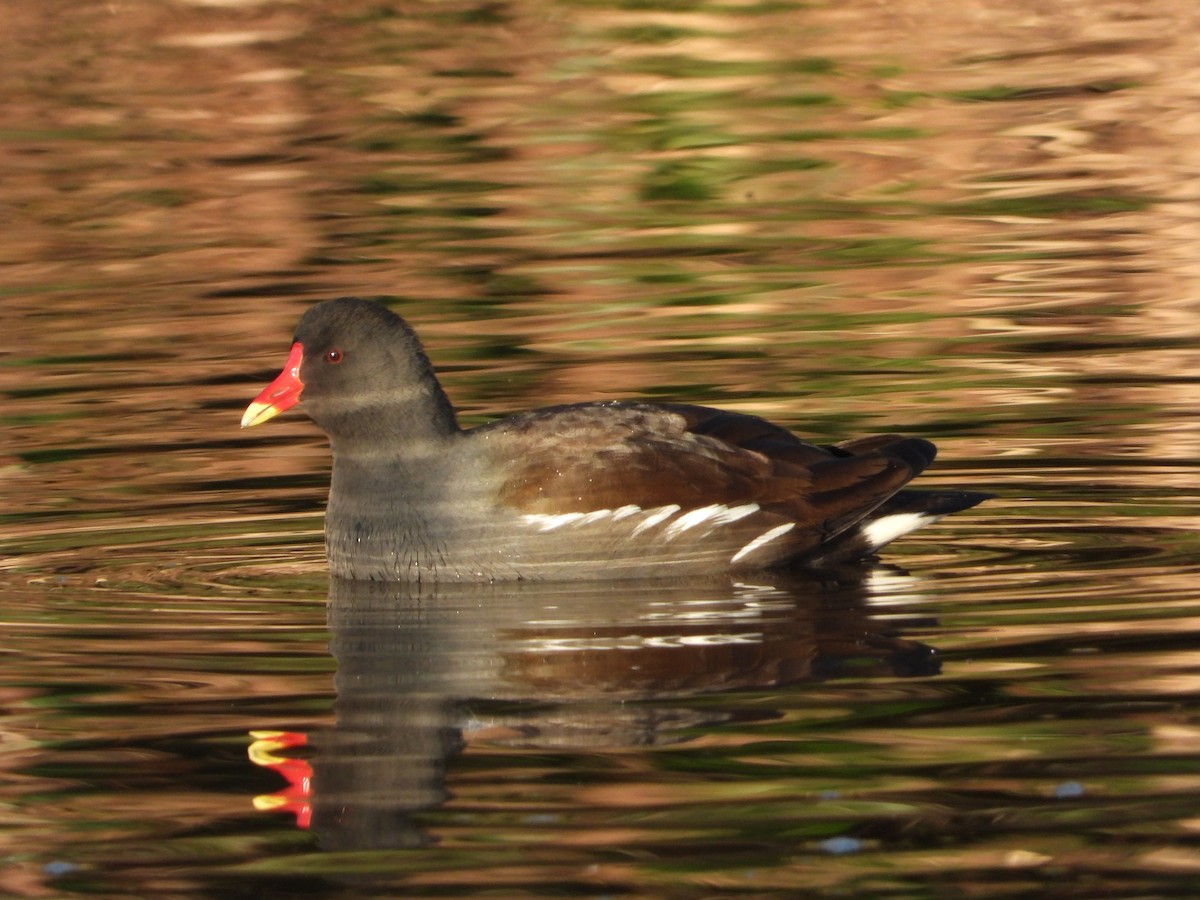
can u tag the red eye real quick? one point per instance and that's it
(333, 357)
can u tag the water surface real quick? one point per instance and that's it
(974, 223)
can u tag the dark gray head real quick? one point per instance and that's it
(366, 378)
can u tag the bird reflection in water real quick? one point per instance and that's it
(424, 671)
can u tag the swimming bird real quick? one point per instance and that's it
(599, 490)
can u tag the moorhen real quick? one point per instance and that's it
(585, 491)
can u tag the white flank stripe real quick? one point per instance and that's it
(693, 518)
(548, 522)
(733, 513)
(596, 516)
(655, 516)
(765, 538)
(888, 528)
(716, 514)
(545, 522)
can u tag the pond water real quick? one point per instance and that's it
(974, 222)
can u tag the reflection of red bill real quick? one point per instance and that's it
(280, 394)
(296, 797)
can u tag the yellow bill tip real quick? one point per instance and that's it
(257, 413)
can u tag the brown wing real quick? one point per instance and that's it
(608, 455)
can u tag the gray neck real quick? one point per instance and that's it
(397, 425)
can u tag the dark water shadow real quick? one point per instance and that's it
(423, 673)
